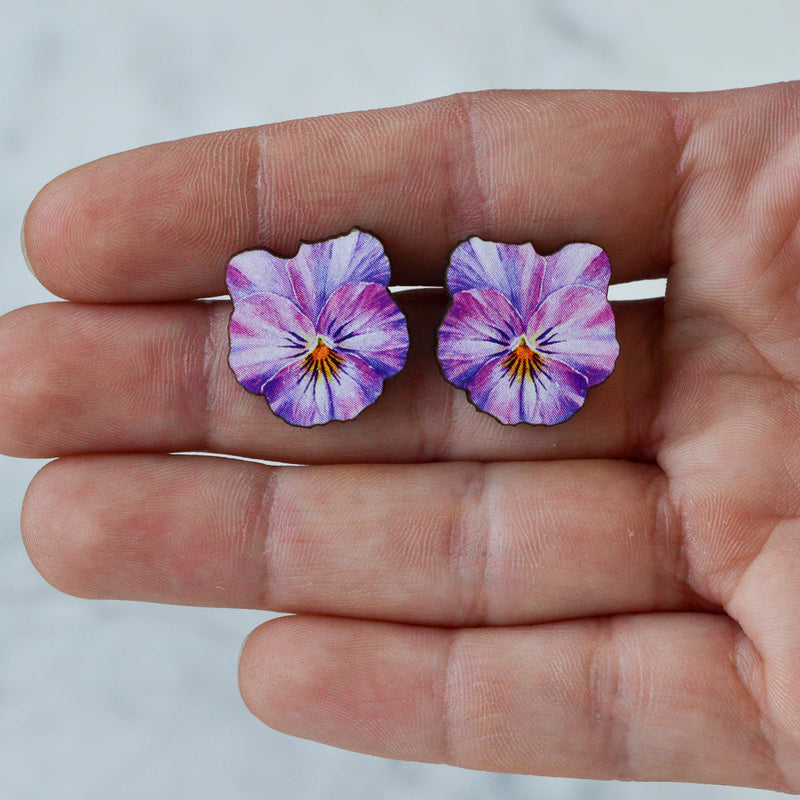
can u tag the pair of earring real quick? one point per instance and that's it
(525, 335)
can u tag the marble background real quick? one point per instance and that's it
(104, 699)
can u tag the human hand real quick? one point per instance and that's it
(613, 597)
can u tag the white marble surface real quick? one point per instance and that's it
(111, 700)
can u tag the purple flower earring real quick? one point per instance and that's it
(316, 334)
(527, 335)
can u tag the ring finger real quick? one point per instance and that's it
(447, 544)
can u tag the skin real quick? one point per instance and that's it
(613, 597)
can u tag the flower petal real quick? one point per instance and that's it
(516, 271)
(362, 318)
(320, 268)
(267, 333)
(309, 278)
(258, 272)
(305, 398)
(355, 258)
(302, 274)
(479, 325)
(552, 396)
(576, 326)
(578, 264)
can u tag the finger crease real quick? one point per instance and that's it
(449, 692)
(443, 430)
(470, 539)
(668, 543)
(261, 202)
(214, 357)
(210, 356)
(467, 207)
(648, 435)
(605, 694)
(258, 538)
(681, 128)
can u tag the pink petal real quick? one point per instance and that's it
(576, 326)
(363, 319)
(267, 333)
(303, 274)
(479, 325)
(257, 272)
(320, 268)
(579, 264)
(301, 399)
(515, 271)
(552, 396)
(311, 276)
(355, 258)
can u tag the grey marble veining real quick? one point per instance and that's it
(118, 700)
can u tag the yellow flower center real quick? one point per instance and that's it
(522, 362)
(321, 360)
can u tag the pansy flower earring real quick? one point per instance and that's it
(316, 334)
(527, 335)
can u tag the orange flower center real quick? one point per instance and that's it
(522, 362)
(322, 360)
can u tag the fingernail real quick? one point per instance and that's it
(23, 248)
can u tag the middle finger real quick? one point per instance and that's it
(155, 378)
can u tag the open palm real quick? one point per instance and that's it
(615, 596)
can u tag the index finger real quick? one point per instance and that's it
(160, 222)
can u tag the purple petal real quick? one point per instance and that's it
(516, 271)
(356, 258)
(314, 274)
(257, 272)
(576, 326)
(303, 276)
(551, 396)
(267, 333)
(362, 318)
(577, 264)
(303, 398)
(320, 268)
(479, 325)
